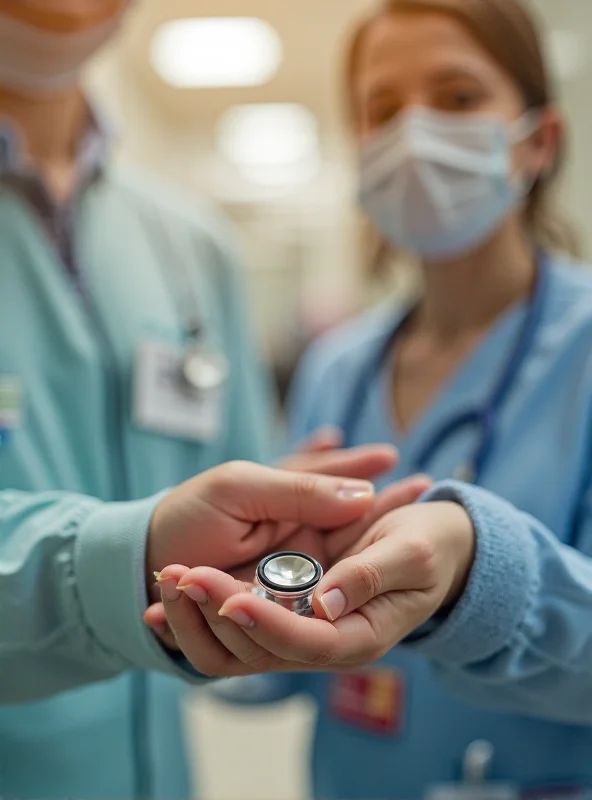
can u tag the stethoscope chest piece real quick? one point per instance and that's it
(204, 369)
(289, 579)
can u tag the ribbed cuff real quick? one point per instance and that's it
(111, 577)
(501, 586)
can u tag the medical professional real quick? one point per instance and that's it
(125, 368)
(474, 608)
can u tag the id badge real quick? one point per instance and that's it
(164, 404)
(11, 403)
(372, 700)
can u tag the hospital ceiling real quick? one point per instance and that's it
(312, 33)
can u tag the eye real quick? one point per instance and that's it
(380, 114)
(461, 99)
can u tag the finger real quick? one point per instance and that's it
(155, 619)
(155, 615)
(253, 493)
(191, 631)
(360, 638)
(365, 463)
(210, 589)
(310, 642)
(401, 494)
(395, 563)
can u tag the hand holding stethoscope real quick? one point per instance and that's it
(423, 554)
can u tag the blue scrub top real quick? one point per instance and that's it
(525, 687)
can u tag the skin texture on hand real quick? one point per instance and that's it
(183, 618)
(175, 528)
(234, 513)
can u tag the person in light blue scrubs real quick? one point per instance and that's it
(461, 647)
(126, 367)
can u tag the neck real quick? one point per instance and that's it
(468, 294)
(51, 127)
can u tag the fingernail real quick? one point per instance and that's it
(196, 593)
(169, 590)
(356, 490)
(240, 617)
(334, 603)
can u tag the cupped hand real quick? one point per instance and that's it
(216, 644)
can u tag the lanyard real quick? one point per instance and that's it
(484, 418)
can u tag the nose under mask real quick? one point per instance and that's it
(39, 61)
(438, 184)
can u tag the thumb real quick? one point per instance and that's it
(389, 565)
(253, 493)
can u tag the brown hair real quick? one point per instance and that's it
(510, 34)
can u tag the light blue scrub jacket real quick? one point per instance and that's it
(72, 588)
(513, 663)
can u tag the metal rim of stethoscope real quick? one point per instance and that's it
(285, 590)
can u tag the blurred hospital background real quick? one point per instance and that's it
(239, 102)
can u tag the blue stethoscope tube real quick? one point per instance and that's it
(484, 418)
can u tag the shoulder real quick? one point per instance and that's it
(570, 280)
(569, 313)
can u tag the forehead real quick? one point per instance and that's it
(403, 44)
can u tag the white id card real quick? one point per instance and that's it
(486, 791)
(164, 404)
(11, 403)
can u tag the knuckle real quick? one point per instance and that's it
(306, 486)
(229, 474)
(256, 659)
(323, 659)
(422, 553)
(370, 577)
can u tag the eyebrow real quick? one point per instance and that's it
(447, 74)
(454, 73)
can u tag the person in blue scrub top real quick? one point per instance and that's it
(455, 639)
(126, 367)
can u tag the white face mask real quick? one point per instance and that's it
(38, 62)
(438, 184)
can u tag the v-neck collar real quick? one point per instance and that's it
(468, 388)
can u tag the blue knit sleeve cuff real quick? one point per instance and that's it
(501, 586)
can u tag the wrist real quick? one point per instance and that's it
(463, 548)
(154, 561)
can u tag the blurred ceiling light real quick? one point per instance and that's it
(569, 52)
(216, 52)
(272, 144)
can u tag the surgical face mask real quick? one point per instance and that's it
(38, 59)
(438, 184)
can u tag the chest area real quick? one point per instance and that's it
(421, 368)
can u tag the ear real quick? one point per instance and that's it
(546, 142)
